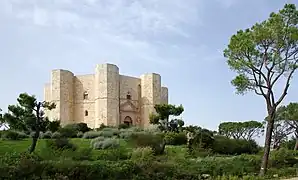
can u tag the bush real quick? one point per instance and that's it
(68, 132)
(143, 139)
(142, 154)
(98, 139)
(112, 154)
(224, 145)
(123, 126)
(282, 158)
(80, 134)
(106, 144)
(91, 134)
(14, 135)
(125, 134)
(46, 135)
(56, 135)
(60, 144)
(53, 126)
(173, 138)
(107, 134)
(112, 131)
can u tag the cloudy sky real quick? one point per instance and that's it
(182, 40)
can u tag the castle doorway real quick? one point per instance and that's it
(127, 120)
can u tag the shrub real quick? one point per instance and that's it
(125, 134)
(123, 126)
(56, 135)
(68, 132)
(60, 144)
(142, 154)
(224, 145)
(143, 139)
(14, 135)
(91, 134)
(113, 131)
(98, 139)
(173, 138)
(112, 154)
(53, 126)
(46, 135)
(83, 154)
(282, 158)
(80, 134)
(107, 134)
(106, 144)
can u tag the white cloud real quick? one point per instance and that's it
(130, 26)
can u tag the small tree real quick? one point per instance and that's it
(262, 56)
(163, 113)
(28, 115)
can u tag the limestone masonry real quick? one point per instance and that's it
(104, 97)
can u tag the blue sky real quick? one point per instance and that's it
(181, 40)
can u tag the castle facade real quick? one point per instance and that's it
(105, 97)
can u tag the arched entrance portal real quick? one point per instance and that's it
(128, 120)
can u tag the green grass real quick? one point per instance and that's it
(23, 145)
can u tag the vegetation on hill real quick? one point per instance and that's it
(264, 56)
(169, 150)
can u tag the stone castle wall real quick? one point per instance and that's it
(84, 84)
(102, 97)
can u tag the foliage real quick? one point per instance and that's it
(60, 144)
(224, 145)
(282, 158)
(203, 138)
(13, 135)
(106, 144)
(173, 138)
(241, 130)
(92, 134)
(264, 56)
(98, 139)
(46, 135)
(56, 135)
(163, 113)
(142, 154)
(28, 115)
(281, 128)
(80, 134)
(53, 126)
(143, 139)
(113, 131)
(78, 127)
(68, 132)
(123, 126)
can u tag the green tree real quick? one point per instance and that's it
(263, 56)
(28, 115)
(241, 130)
(163, 114)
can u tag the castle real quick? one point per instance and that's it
(105, 97)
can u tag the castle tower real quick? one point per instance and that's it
(106, 95)
(62, 82)
(150, 95)
(164, 95)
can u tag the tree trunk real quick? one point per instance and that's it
(296, 145)
(37, 130)
(268, 137)
(34, 141)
